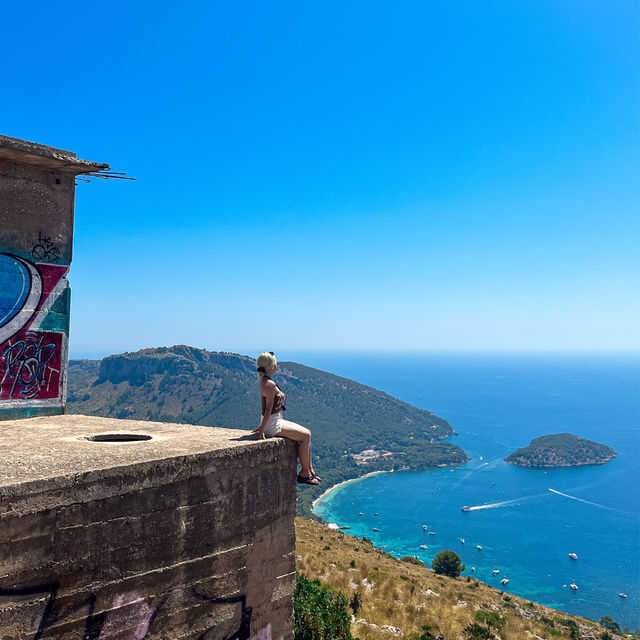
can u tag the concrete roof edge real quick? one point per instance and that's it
(17, 150)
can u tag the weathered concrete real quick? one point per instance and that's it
(37, 186)
(187, 535)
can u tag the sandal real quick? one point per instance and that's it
(308, 479)
(313, 475)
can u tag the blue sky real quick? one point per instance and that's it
(407, 175)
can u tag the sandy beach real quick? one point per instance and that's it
(335, 486)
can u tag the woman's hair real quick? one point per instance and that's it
(265, 361)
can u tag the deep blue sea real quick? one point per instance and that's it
(498, 403)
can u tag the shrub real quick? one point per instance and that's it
(490, 618)
(476, 631)
(609, 623)
(320, 612)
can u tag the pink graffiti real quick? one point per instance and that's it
(125, 607)
(33, 363)
(263, 634)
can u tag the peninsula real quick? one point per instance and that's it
(561, 450)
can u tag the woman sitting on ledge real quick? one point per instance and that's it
(273, 424)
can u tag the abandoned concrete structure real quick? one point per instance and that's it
(118, 529)
(37, 188)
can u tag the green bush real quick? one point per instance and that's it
(476, 631)
(320, 611)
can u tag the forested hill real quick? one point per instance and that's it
(189, 385)
(561, 450)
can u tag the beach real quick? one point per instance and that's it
(340, 484)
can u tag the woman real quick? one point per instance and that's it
(273, 424)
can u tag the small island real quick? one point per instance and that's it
(561, 450)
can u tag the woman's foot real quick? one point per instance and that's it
(318, 478)
(307, 479)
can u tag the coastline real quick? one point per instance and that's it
(335, 486)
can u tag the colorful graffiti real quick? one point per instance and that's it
(34, 327)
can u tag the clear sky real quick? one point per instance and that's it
(342, 175)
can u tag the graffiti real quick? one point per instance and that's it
(32, 329)
(103, 625)
(28, 365)
(45, 250)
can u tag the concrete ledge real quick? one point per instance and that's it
(186, 533)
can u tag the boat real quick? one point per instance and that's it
(493, 484)
(375, 513)
(361, 514)
(573, 556)
(465, 508)
(432, 533)
(462, 540)
(473, 568)
(495, 572)
(345, 527)
(504, 581)
(424, 527)
(374, 529)
(574, 586)
(479, 547)
(622, 595)
(423, 546)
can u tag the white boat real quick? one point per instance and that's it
(465, 508)
(424, 527)
(462, 540)
(432, 533)
(361, 514)
(622, 595)
(495, 572)
(573, 556)
(574, 586)
(375, 513)
(473, 568)
(423, 546)
(504, 581)
(479, 547)
(374, 529)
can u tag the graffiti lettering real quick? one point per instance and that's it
(45, 250)
(99, 626)
(27, 361)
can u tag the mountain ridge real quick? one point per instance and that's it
(189, 385)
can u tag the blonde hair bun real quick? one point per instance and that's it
(265, 361)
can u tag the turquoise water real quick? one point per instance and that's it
(497, 404)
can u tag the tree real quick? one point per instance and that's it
(320, 612)
(609, 623)
(448, 563)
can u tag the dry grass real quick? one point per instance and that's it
(397, 596)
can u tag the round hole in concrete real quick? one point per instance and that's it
(118, 437)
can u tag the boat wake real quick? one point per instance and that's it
(504, 503)
(594, 504)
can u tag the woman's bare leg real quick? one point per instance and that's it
(302, 436)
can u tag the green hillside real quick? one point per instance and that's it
(194, 386)
(561, 450)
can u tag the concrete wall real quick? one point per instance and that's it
(187, 535)
(36, 236)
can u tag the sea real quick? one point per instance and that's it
(526, 521)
